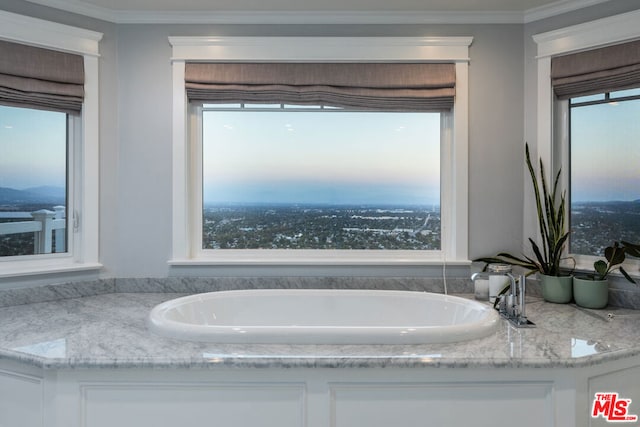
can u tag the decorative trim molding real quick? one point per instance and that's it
(40, 33)
(310, 49)
(320, 17)
(119, 16)
(558, 8)
(601, 32)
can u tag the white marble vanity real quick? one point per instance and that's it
(91, 361)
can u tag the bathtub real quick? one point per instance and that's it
(311, 316)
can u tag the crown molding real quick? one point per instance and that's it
(316, 17)
(558, 8)
(81, 8)
(593, 34)
(280, 17)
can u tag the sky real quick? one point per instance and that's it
(605, 152)
(32, 148)
(336, 157)
(321, 157)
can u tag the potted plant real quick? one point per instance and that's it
(592, 290)
(551, 211)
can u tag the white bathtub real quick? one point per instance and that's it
(306, 316)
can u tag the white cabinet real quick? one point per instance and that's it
(312, 397)
(193, 405)
(624, 382)
(466, 404)
(21, 400)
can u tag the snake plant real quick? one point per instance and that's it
(551, 212)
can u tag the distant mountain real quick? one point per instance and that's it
(48, 191)
(9, 194)
(43, 194)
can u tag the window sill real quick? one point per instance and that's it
(303, 265)
(52, 266)
(315, 258)
(584, 265)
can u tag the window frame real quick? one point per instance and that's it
(553, 115)
(83, 152)
(583, 259)
(187, 166)
(197, 109)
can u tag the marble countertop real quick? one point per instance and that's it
(109, 331)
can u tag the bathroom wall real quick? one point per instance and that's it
(144, 109)
(135, 130)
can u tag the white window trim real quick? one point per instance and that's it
(454, 185)
(85, 174)
(599, 33)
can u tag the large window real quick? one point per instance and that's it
(404, 205)
(291, 177)
(605, 170)
(592, 138)
(49, 162)
(33, 181)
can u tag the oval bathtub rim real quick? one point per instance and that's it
(321, 335)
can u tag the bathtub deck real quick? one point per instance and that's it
(109, 331)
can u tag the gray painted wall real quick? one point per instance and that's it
(144, 111)
(135, 128)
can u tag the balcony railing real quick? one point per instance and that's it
(49, 228)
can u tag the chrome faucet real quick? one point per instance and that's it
(507, 293)
(511, 304)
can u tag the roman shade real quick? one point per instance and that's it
(370, 86)
(596, 71)
(40, 78)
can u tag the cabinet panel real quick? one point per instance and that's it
(521, 404)
(626, 383)
(20, 400)
(233, 405)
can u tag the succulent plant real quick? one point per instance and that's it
(615, 255)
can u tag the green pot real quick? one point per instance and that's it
(591, 293)
(557, 289)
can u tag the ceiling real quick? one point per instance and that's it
(315, 11)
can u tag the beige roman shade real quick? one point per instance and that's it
(596, 71)
(40, 78)
(380, 86)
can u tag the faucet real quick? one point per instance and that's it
(511, 305)
(510, 301)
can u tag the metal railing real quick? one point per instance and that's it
(49, 228)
